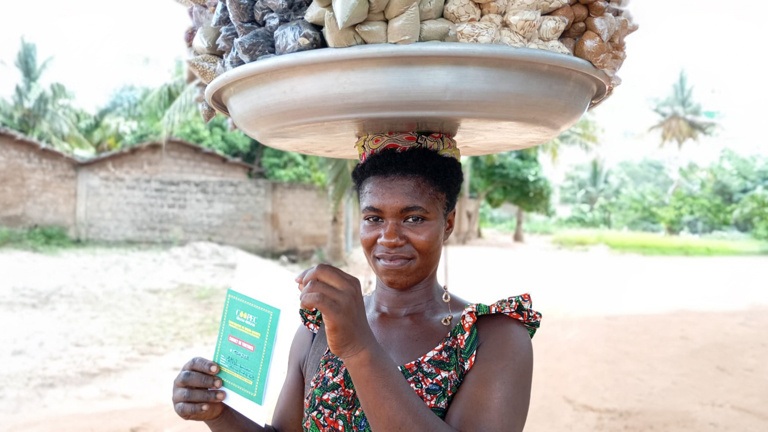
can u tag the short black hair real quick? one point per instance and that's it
(441, 172)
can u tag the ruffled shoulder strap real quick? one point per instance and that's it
(312, 319)
(517, 307)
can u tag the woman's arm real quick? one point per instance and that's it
(194, 401)
(494, 396)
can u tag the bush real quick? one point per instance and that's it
(37, 238)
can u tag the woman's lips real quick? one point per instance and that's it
(392, 261)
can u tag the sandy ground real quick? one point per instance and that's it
(94, 337)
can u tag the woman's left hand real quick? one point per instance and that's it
(339, 297)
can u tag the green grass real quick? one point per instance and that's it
(39, 239)
(657, 244)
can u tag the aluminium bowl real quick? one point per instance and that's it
(491, 98)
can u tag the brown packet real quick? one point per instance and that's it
(478, 32)
(405, 28)
(373, 32)
(459, 11)
(349, 13)
(339, 38)
(439, 29)
(431, 9)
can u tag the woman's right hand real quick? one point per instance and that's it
(193, 398)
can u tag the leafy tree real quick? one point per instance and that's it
(591, 189)
(41, 113)
(584, 135)
(513, 177)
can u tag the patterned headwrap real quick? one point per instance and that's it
(443, 144)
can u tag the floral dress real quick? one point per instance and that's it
(332, 404)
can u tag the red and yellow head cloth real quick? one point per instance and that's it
(443, 144)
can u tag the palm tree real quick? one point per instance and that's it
(681, 120)
(41, 113)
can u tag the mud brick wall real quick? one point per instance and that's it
(300, 216)
(172, 193)
(37, 185)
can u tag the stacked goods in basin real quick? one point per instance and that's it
(227, 34)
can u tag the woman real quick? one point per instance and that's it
(389, 365)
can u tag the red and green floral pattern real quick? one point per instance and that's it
(332, 404)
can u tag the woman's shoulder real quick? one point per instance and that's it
(518, 308)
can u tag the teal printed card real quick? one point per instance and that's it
(245, 345)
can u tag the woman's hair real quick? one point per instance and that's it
(442, 173)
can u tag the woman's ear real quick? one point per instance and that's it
(450, 221)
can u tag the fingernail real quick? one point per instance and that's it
(214, 368)
(217, 383)
(204, 408)
(220, 396)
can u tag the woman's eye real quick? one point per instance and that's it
(372, 219)
(415, 219)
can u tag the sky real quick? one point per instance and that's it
(98, 47)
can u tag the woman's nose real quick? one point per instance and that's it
(390, 235)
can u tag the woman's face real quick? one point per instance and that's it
(403, 228)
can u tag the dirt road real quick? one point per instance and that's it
(95, 336)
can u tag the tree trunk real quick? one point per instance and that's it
(518, 237)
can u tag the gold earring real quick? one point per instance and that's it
(447, 299)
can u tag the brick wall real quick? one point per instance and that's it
(37, 185)
(158, 194)
(300, 216)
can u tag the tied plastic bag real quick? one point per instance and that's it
(431, 9)
(478, 32)
(395, 8)
(232, 60)
(201, 16)
(204, 66)
(295, 36)
(567, 13)
(543, 6)
(437, 30)
(316, 14)
(278, 6)
(510, 38)
(221, 15)
(604, 26)
(260, 12)
(377, 6)
(459, 11)
(552, 27)
(350, 12)
(246, 28)
(552, 46)
(373, 32)
(205, 41)
(591, 47)
(272, 22)
(404, 29)
(255, 44)
(494, 19)
(524, 22)
(378, 16)
(494, 7)
(240, 11)
(207, 112)
(226, 39)
(337, 37)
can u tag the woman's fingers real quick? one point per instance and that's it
(197, 395)
(200, 364)
(192, 379)
(318, 295)
(198, 411)
(328, 274)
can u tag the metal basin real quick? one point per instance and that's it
(492, 98)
